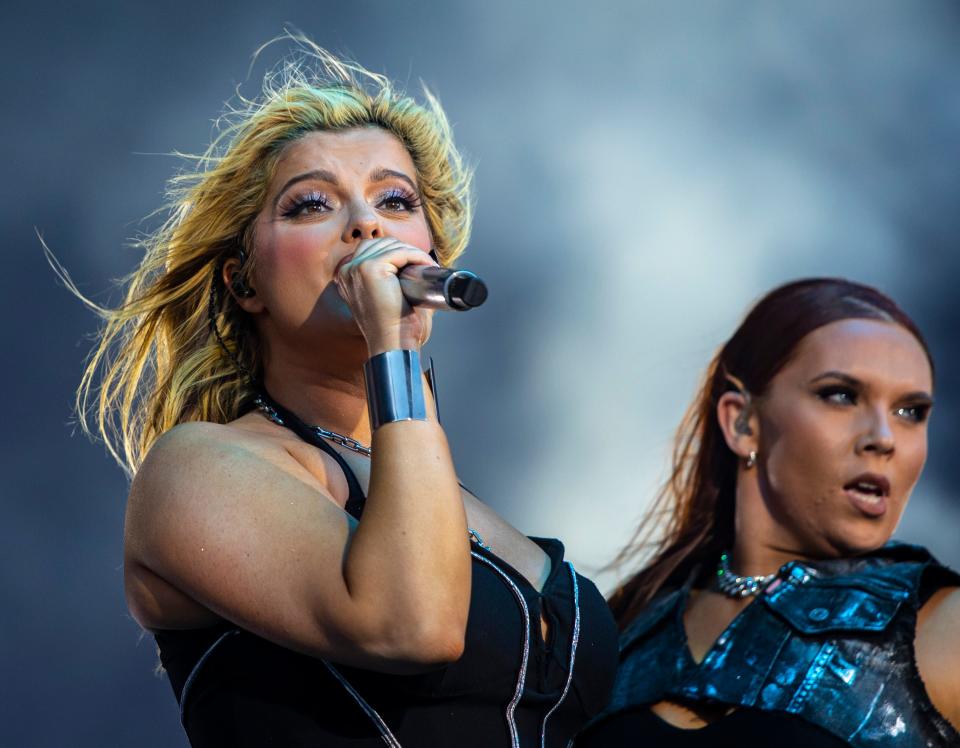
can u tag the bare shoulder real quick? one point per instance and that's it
(181, 453)
(938, 651)
(938, 623)
(209, 457)
(190, 458)
(208, 501)
(188, 451)
(245, 523)
(191, 445)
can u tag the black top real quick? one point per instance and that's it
(743, 727)
(509, 687)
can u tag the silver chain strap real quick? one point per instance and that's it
(345, 441)
(331, 436)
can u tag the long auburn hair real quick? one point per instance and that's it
(157, 361)
(691, 520)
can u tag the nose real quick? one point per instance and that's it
(878, 437)
(362, 224)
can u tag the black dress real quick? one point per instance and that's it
(510, 688)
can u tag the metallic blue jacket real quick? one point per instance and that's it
(830, 641)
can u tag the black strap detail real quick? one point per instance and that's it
(432, 384)
(356, 499)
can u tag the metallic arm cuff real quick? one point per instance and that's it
(394, 388)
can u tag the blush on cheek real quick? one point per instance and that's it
(296, 260)
(300, 244)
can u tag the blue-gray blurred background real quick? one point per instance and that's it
(644, 171)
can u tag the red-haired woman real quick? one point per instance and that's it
(775, 610)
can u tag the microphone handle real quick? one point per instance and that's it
(444, 289)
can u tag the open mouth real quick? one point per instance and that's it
(868, 490)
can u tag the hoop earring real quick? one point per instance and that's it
(751, 459)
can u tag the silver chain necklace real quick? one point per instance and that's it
(345, 441)
(732, 585)
(331, 436)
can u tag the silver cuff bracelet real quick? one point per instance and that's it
(394, 388)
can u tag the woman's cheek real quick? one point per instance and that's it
(415, 233)
(298, 265)
(298, 253)
(912, 462)
(800, 462)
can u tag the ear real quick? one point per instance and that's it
(232, 273)
(738, 422)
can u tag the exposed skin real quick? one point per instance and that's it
(854, 399)
(244, 521)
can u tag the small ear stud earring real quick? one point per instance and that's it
(751, 459)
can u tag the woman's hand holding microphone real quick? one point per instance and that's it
(368, 282)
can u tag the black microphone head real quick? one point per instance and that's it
(466, 291)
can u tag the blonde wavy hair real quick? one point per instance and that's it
(157, 361)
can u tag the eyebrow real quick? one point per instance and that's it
(918, 396)
(852, 381)
(382, 175)
(321, 175)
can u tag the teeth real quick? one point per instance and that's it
(867, 492)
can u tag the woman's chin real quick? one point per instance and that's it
(858, 539)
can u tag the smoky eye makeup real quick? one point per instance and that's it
(837, 393)
(915, 408)
(304, 203)
(398, 199)
(916, 412)
(836, 388)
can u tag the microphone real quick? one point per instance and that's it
(444, 289)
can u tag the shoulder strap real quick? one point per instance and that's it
(356, 499)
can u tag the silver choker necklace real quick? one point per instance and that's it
(732, 585)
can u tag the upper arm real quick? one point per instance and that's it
(248, 540)
(938, 651)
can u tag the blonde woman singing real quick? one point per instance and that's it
(296, 537)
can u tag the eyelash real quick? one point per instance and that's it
(317, 202)
(913, 413)
(918, 413)
(828, 395)
(408, 199)
(309, 200)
